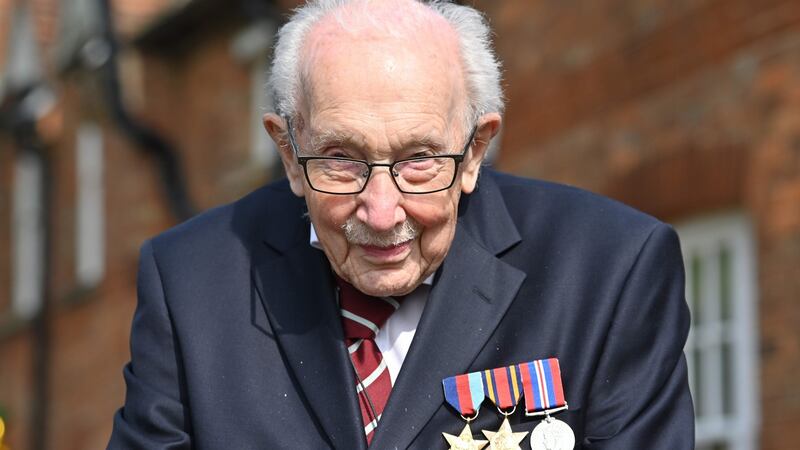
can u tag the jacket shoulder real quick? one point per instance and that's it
(568, 208)
(239, 224)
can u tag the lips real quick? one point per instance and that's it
(388, 254)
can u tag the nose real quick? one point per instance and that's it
(380, 200)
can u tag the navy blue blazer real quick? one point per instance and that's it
(237, 344)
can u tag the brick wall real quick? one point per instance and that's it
(201, 102)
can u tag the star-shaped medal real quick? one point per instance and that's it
(464, 440)
(504, 438)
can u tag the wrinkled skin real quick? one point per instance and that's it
(391, 98)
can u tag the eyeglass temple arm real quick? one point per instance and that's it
(291, 136)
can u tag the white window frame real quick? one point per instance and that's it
(263, 151)
(89, 206)
(251, 47)
(704, 238)
(27, 236)
(23, 63)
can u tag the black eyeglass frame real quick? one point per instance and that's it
(303, 161)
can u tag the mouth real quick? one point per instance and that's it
(389, 254)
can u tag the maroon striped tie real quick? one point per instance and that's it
(362, 316)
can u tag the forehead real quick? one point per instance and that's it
(381, 79)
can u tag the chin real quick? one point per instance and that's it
(383, 284)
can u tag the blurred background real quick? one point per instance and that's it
(121, 118)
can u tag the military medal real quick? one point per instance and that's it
(465, 394)
(552, 434)
(502, 386)
(464, 441)
(544, 395)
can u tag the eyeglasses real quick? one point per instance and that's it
(345, 176)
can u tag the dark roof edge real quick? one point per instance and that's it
(198, 16)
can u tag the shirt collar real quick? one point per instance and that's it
(313, 240)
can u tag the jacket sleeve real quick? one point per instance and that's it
(155, 414)
(640, 393)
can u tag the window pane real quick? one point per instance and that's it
(699, 407)
(27, 237)
(725, 283)
(697, 280)
(89, 207)
(727, 377)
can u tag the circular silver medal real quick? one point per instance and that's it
(552, 434)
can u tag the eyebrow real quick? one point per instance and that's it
(326, 138)
(329, 137)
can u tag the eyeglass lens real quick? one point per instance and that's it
(412, 176)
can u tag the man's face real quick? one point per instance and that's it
(382, 100)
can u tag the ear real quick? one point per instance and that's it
(277, 129)
(488, 127)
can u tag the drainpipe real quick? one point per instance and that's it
(18, 119)
(102, 53)
(41, 324)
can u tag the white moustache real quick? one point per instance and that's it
(358, 233)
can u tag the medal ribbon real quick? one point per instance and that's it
(503, 386)
(541, 382)
(465, 393)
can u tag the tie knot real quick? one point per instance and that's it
(362, 314)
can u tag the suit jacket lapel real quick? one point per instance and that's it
(472, 293)
(295, 289)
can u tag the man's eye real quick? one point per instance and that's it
(338, 152)
(421, 153)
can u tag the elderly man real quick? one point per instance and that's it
(325, 311)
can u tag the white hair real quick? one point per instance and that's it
(480, 65)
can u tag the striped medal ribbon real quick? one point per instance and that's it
(544, 395)
(465, 393)
(503, 386)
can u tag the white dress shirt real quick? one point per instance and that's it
(395, 336)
